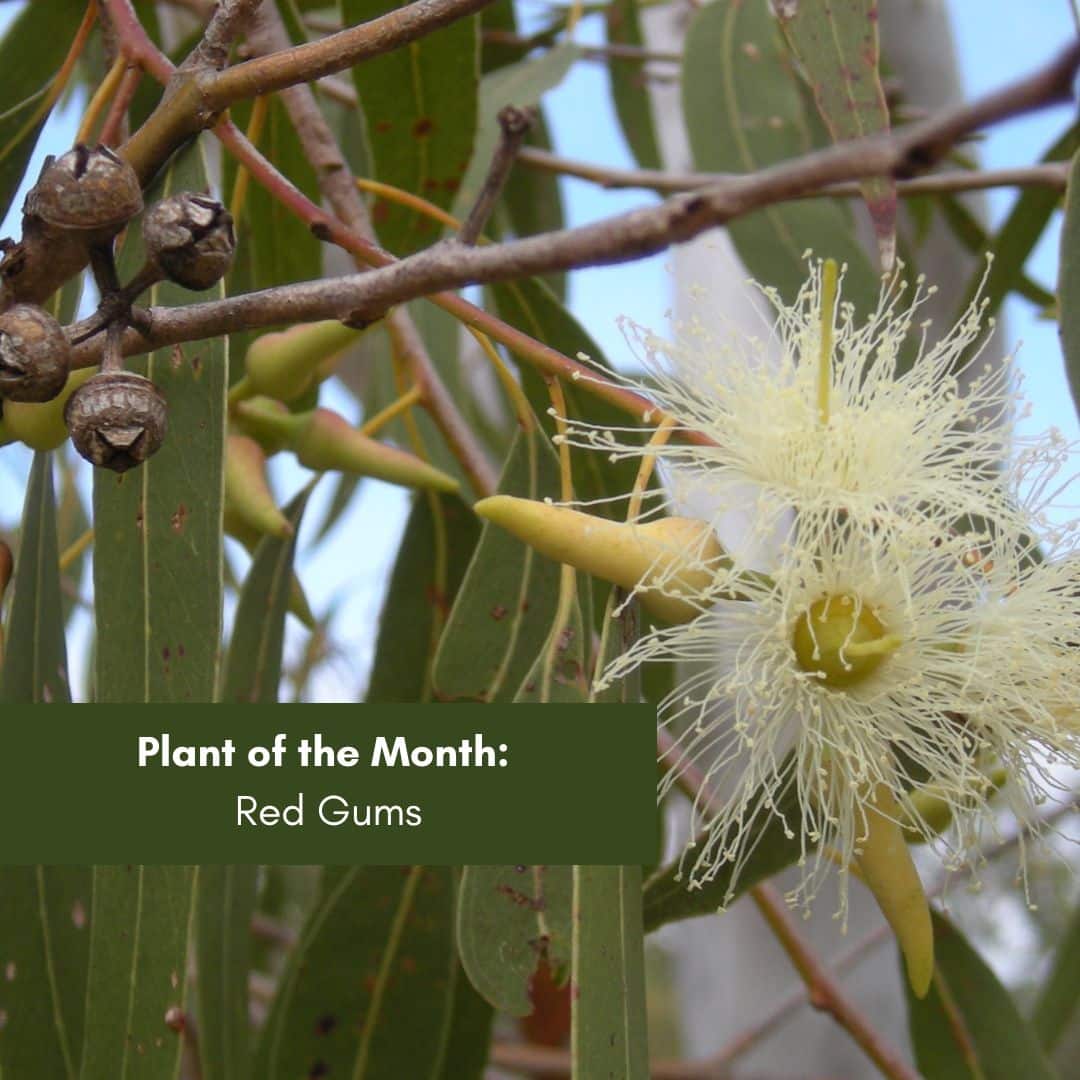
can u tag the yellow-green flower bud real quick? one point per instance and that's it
(40, 425)
(249, 501)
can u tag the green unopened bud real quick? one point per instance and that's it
(249, 501)
(40, 425)
(933, 812)
(285, 364)
(682, 554)
(268, 422)
(328, 442)
(885, 865)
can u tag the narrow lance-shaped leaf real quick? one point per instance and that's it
(836, 42)
(158, 527)
(1069, 283)
(30, 54)
(225, 902)
(510, 920)
(629, 84)
(369, 988)
(253, 666)
(44, 948)
(505, 606)
(420, 104)
(968, 1027)
(1060, 993)
(415, 603)
(608, 1027)
(743, 112)
(35, 656)
(136, 987)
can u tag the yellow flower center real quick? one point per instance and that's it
(841, 641)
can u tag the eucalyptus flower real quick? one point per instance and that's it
(874, 419)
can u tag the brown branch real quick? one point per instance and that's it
(337, 184)
(514, 124)
(228, 19)
(1053, 175)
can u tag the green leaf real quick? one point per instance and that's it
(32, 51)
(744, 111)
(968, 1027)
(158, 528)
(416, 601)
(253, 666)
(140, 923)
(469, 1039)
(369, 988)
(509, 919)
(522, 84)
(617, 633)
(505, 606)
(44, 947)
(35, 657)
(224, 904)
(1018, 234)
(420, 104)
(608, 1025)
(629, 85)
(1069, 282)
(560, 672)
(274, 246)
(1060, 993)
(836, 42)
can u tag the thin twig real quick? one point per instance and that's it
(1053, 175)
(514, 124)
(338, 187)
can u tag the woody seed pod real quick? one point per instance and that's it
(117, 420)
(34, 354)
(191, 239)
(89, 189)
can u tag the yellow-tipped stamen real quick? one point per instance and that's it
(887, 869)
(829, 276)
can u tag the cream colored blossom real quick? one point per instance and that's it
(946, 657)
(897, 444)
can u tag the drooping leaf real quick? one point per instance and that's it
(629, 85)
(1060, 994)
(469, 1038)
(744, 111)
(253, 665)
(44, 948)
(31, 53)
(420, 104)
(560, 672)
(438, 544)
(368, 992)
(35, 653)
(510, 918)
(836, 42)
(136, 989)
(505, 606)
(608, 1032)
(158, 527)
(1069, 283)
(225, 902)
(617, 633)
(968, 1026)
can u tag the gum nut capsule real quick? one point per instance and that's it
(88, 189)
(191, 238)
(117, 420)
(34, 354)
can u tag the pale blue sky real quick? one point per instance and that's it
(996, 40)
